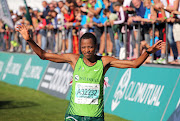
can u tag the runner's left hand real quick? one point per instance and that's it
(157, 46)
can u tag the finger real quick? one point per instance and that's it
(23, 26)
(159, 46)
(19, 27)
(158, 42)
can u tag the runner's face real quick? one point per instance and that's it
(88, 48)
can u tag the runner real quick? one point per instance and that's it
(86, 102)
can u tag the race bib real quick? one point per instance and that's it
(87, 93)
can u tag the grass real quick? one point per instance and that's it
(24, 104)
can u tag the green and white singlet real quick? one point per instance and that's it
(87, 90)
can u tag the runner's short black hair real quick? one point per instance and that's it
(89, 35)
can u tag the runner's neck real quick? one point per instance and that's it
(90, 62)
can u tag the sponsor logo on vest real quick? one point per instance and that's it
(88, 79)
(76, 77)
(30, 71)
(1, 65)
(58, 79)
(12, 68)
(136, 91)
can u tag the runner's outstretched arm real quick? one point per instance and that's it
(113, 62)
(64, 58)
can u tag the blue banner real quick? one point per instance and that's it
(142, 94)
(22, 69)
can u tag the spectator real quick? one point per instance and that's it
(63, 7)
(149, 17)
(51, 7)
(160, 17)
(43, 31)
(97, 7)
(79, 3)
(69, 17)
(40, 28)
(52, 29)
(35, 23)
(56, 8)
(13, 37)
(160, 54)
(46, 9)
(112, 17)
(60, 37)
(176, 31)
(169, 7)
(2, 42)
(122, 17)
(139, 11)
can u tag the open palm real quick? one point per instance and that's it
(24, 31)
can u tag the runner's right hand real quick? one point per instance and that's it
(24, 31)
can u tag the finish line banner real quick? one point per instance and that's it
(143, 94)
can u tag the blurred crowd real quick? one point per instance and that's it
(117, 25)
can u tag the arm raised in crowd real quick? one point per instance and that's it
(64, 58)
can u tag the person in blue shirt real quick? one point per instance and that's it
(87, 23)
(149, 15)
(97, 7)
(139, 7)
